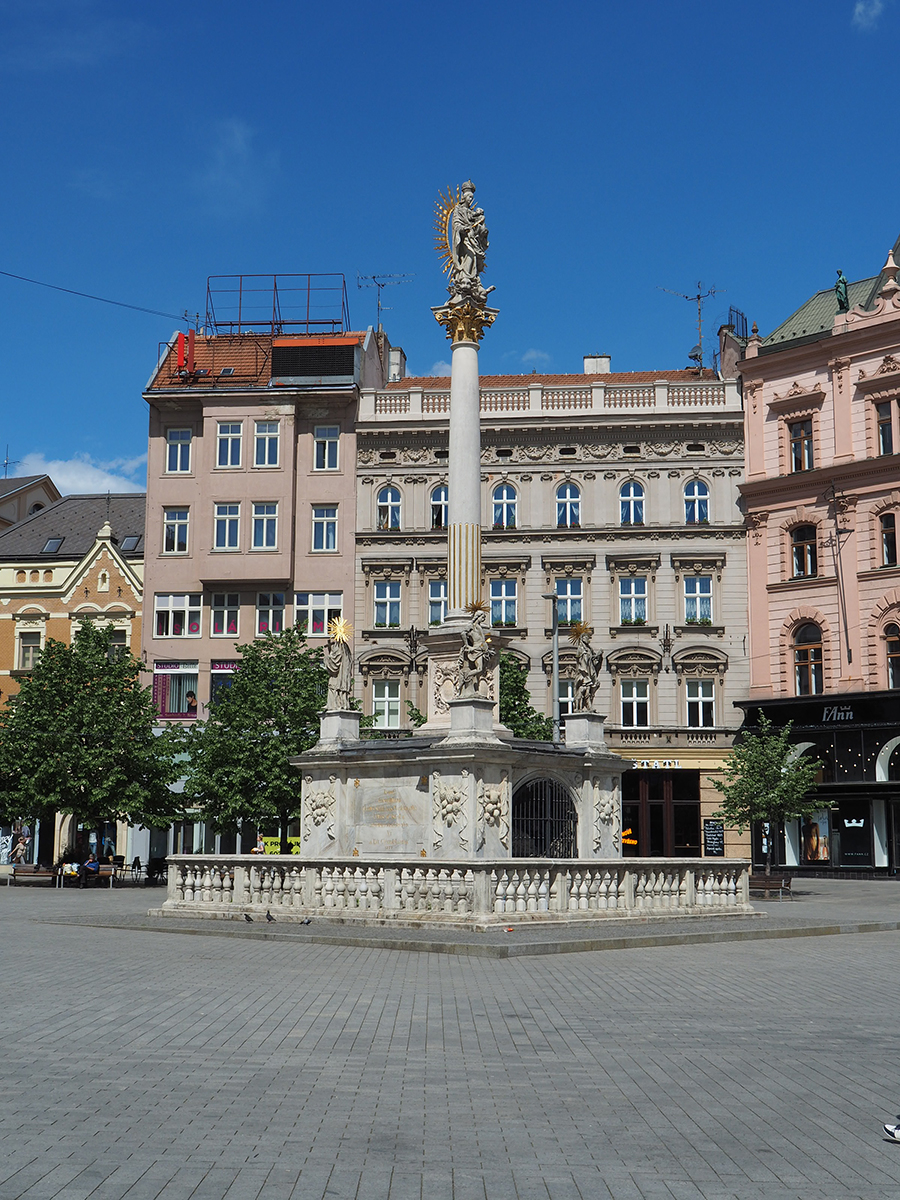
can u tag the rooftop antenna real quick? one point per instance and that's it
(696, 355)
(380, 282)
(8, 462)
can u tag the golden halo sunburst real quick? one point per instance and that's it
(340, 630)
(477, 606)
(580, 631)
(443, 208)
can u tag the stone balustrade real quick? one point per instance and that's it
(418, 890)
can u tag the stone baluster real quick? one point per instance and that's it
(189, 885)
(731, 889)
(277, 886)
(328, 886)
(340, 887)
(532, 899)
(543, 893)
(215, 894)
(499, 890)
(227, 893)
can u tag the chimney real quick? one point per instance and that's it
(396, 363)
(596, 364)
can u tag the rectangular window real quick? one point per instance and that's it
(326, 439)
(387, 603)
(325, 528)
(635, 703)
(269, 612)
(228, 518)
(178, 451)
(566, 697)
(885, 428)
(29, 650)
(118, 646)
(888, 540)
(503, 602)
(175, 531)
(700, 694)
(698, 599)
(229, 444)
(220, 677)
(386, 703)
(177, 615)
(633, 600)
(568, 601)
(175, 689)
(266, 444)
(224, 614)
(315, 610)
(437, 601)
(265, 526)
(801, 445)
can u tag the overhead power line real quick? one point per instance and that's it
(154, 312)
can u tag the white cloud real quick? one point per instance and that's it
(48, 37)
(82, 474)
(236, 176)
(439, 368)
(535, 356)
(866, 13)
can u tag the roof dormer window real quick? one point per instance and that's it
(52, 545)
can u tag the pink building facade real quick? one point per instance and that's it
(822, 505)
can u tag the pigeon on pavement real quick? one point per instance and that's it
(247, 917)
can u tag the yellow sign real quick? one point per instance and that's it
(628, 838)
(272, 845)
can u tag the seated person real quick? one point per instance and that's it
(88, 870)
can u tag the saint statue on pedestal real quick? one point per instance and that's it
(587, 668)
(476, 658)
(338, 662)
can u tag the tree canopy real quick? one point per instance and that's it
(767, 779)
(238, 758)
(516, 710)
(80, 738)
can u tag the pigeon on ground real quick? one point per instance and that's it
(308, 921)
(247, 917)
(893, 1131)
(269, 916)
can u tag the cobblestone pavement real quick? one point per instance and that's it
(143, 1064)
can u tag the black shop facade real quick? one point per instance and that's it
(856, 737)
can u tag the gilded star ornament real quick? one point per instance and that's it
(580, 632)
(340, 630)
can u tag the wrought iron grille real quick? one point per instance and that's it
(544, 821)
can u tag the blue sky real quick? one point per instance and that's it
(616, 148)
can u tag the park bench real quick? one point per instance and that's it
(106, 873)
(26, 873)
(770, 884)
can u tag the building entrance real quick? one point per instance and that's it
(544, 821)
(661, 814)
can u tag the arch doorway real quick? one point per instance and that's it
(544, 821)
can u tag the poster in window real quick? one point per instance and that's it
(814, 837)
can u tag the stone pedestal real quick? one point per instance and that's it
(471, 719)
(337, 727)
(584, 731)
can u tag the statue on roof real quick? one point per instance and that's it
(840, 290)
(462, 242)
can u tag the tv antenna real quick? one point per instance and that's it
(696, 355)
(8, 462)
(381, 282)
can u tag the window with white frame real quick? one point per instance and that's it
(698, 599)
(387, 603)
(227, 530)
(177, 614)
(269, 612)
(265, 526)
(437, 601)
(29, 650)
(224, 614)
(118, 645)
(807, 652)
(505, 502)
(701, 703)
(327, 439)
(568, 506)
(503, 602)
(892, 647)
(386, 703)
(229, 444)
(566, 697)
(885, 418)
(324, 528)
(804, 558)
(389, 508)
(221, 675)
(178, 451)
(633, 600)
(315, 610)
(175, 530)
(888, 528)
(631, 504)
(439, 507)
(568, 601)
(635, 702)
(266, 444)
(175, 689)
(696, 503)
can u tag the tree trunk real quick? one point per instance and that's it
(283, 819)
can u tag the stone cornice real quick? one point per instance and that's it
(813, 483)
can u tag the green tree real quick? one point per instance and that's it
(80, 738)
(766, 779)
(516, 710)
(238, 758)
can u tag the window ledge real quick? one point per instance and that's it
(385, 631)
(785, 585)
(688, 630)
(519, 631)
(615, 630)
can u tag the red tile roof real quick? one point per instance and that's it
(247, 353)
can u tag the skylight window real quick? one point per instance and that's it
(130, 543)
(227, 371)
(52, 545)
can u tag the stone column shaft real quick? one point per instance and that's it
(464, 480)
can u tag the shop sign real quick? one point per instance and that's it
(713, 838)
(659, 764)
(837, 712)
(628, 838)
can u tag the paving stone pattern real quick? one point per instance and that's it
(148, 1065)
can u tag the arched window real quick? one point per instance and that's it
(568, 506)
(389, 508)
(803, 551)
(808, 660)
(696, 503)
(439, 507)
(892, 641)
(631, 501)
(505, 506)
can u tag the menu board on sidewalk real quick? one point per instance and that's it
(714, 839)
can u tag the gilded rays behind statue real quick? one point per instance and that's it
(461, 238)
(340, 630)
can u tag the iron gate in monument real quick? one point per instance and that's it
(544, 821)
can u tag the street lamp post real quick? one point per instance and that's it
(554, 679)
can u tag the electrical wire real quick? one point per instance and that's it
(87, 296)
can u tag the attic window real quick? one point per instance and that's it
(442, 454)
(387, 454)
(631, 449)
(52, 545)
(695, 447)
(227, 371)
(567, 450)
(204, 371)
(130, 543)
(504, 453)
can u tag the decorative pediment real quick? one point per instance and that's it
(697, 564)
(693, 661)
(380, 568)
(506, 568)
(633, 660)
(632, 564)
(384, 663)
(798, 398)
(577, 565)
(884, 380)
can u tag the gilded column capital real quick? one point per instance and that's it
(465, 322)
